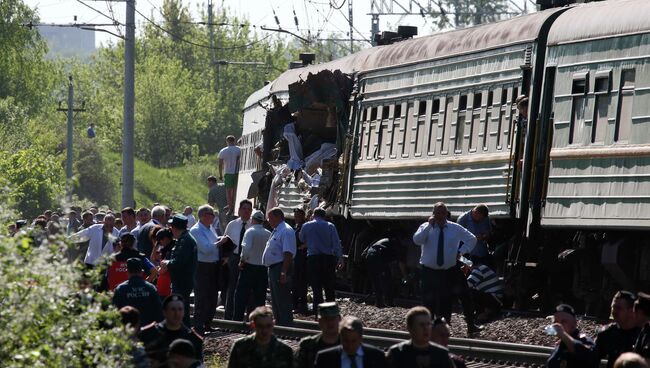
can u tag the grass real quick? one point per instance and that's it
(175, 187)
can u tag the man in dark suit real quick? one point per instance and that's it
(352, 353)
(418, 351)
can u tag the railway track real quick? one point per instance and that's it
(477, 353)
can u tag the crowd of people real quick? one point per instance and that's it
(157, 258)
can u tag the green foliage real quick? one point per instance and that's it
(34, 180)
(46, 318)
(464, 13)
(95, 178)
(176, 187)
(13, 124)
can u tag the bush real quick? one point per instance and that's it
(34, 180)
(46, 318)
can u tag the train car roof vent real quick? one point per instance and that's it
(295, 64)
(307, 58)
(389, 37)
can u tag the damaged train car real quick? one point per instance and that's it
(378, 136)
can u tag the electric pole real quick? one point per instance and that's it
(69, 110)
(213, 57)
(351, 26)
(129, 107)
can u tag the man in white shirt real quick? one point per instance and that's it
(440, 241)
(253, 278)
(278, 257)
(235, 232)
(207, 269)
(229, 169)
(101, 238)
(191, 220)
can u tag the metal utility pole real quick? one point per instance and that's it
(129, 107)
(351, 26)
(213, 56)
(69, 110)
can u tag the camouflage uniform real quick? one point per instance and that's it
(157, 338)
(246, 353)
(308, 348)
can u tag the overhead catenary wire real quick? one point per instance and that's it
(181, 39)
(101, 13)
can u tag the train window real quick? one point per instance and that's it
(601, 106)
(579, 84)
(502, 116)
(406, 132)
(625, 99)
(364, 115)
(384, 113)
(601, 84)
(373, 113)
(382, 127)
(361, 139)
(397, 129)
(446, 124)
(398, 111)
(433, 126)
(476, 118)
(577, 117)
(488, 122)
(460, 124)
(418, 129)
(422, 108)
(478, 97)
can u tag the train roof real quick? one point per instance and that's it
(601, 20)
(257, 96)
(446, 44)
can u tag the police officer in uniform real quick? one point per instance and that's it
(620, 336)
(261, 349)
(138, 293)
(573, 349)
(642, 308)
(182, 262)
(157, 337)
(328, 321)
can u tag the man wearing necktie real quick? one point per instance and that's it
(235, 232)
(352, 353)
(440, 241)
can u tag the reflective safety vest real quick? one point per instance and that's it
(117, 274)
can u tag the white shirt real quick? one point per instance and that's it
(233, 231)
(230, 155)
(426, 236)
(95, 234)
(206, 237)
(191, 221)
(253, 245)
(282, 240)
(358, 357)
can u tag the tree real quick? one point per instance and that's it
(49, 316)
(34, 180)
(465, 13)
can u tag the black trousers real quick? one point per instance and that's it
(206, 293)
(322, 270)
(253, 279)
(233, 276)
(300, 276)
(437, 291)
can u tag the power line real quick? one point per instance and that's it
(353, 27)
(179, 38)
(337, 7)
(100, 13)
